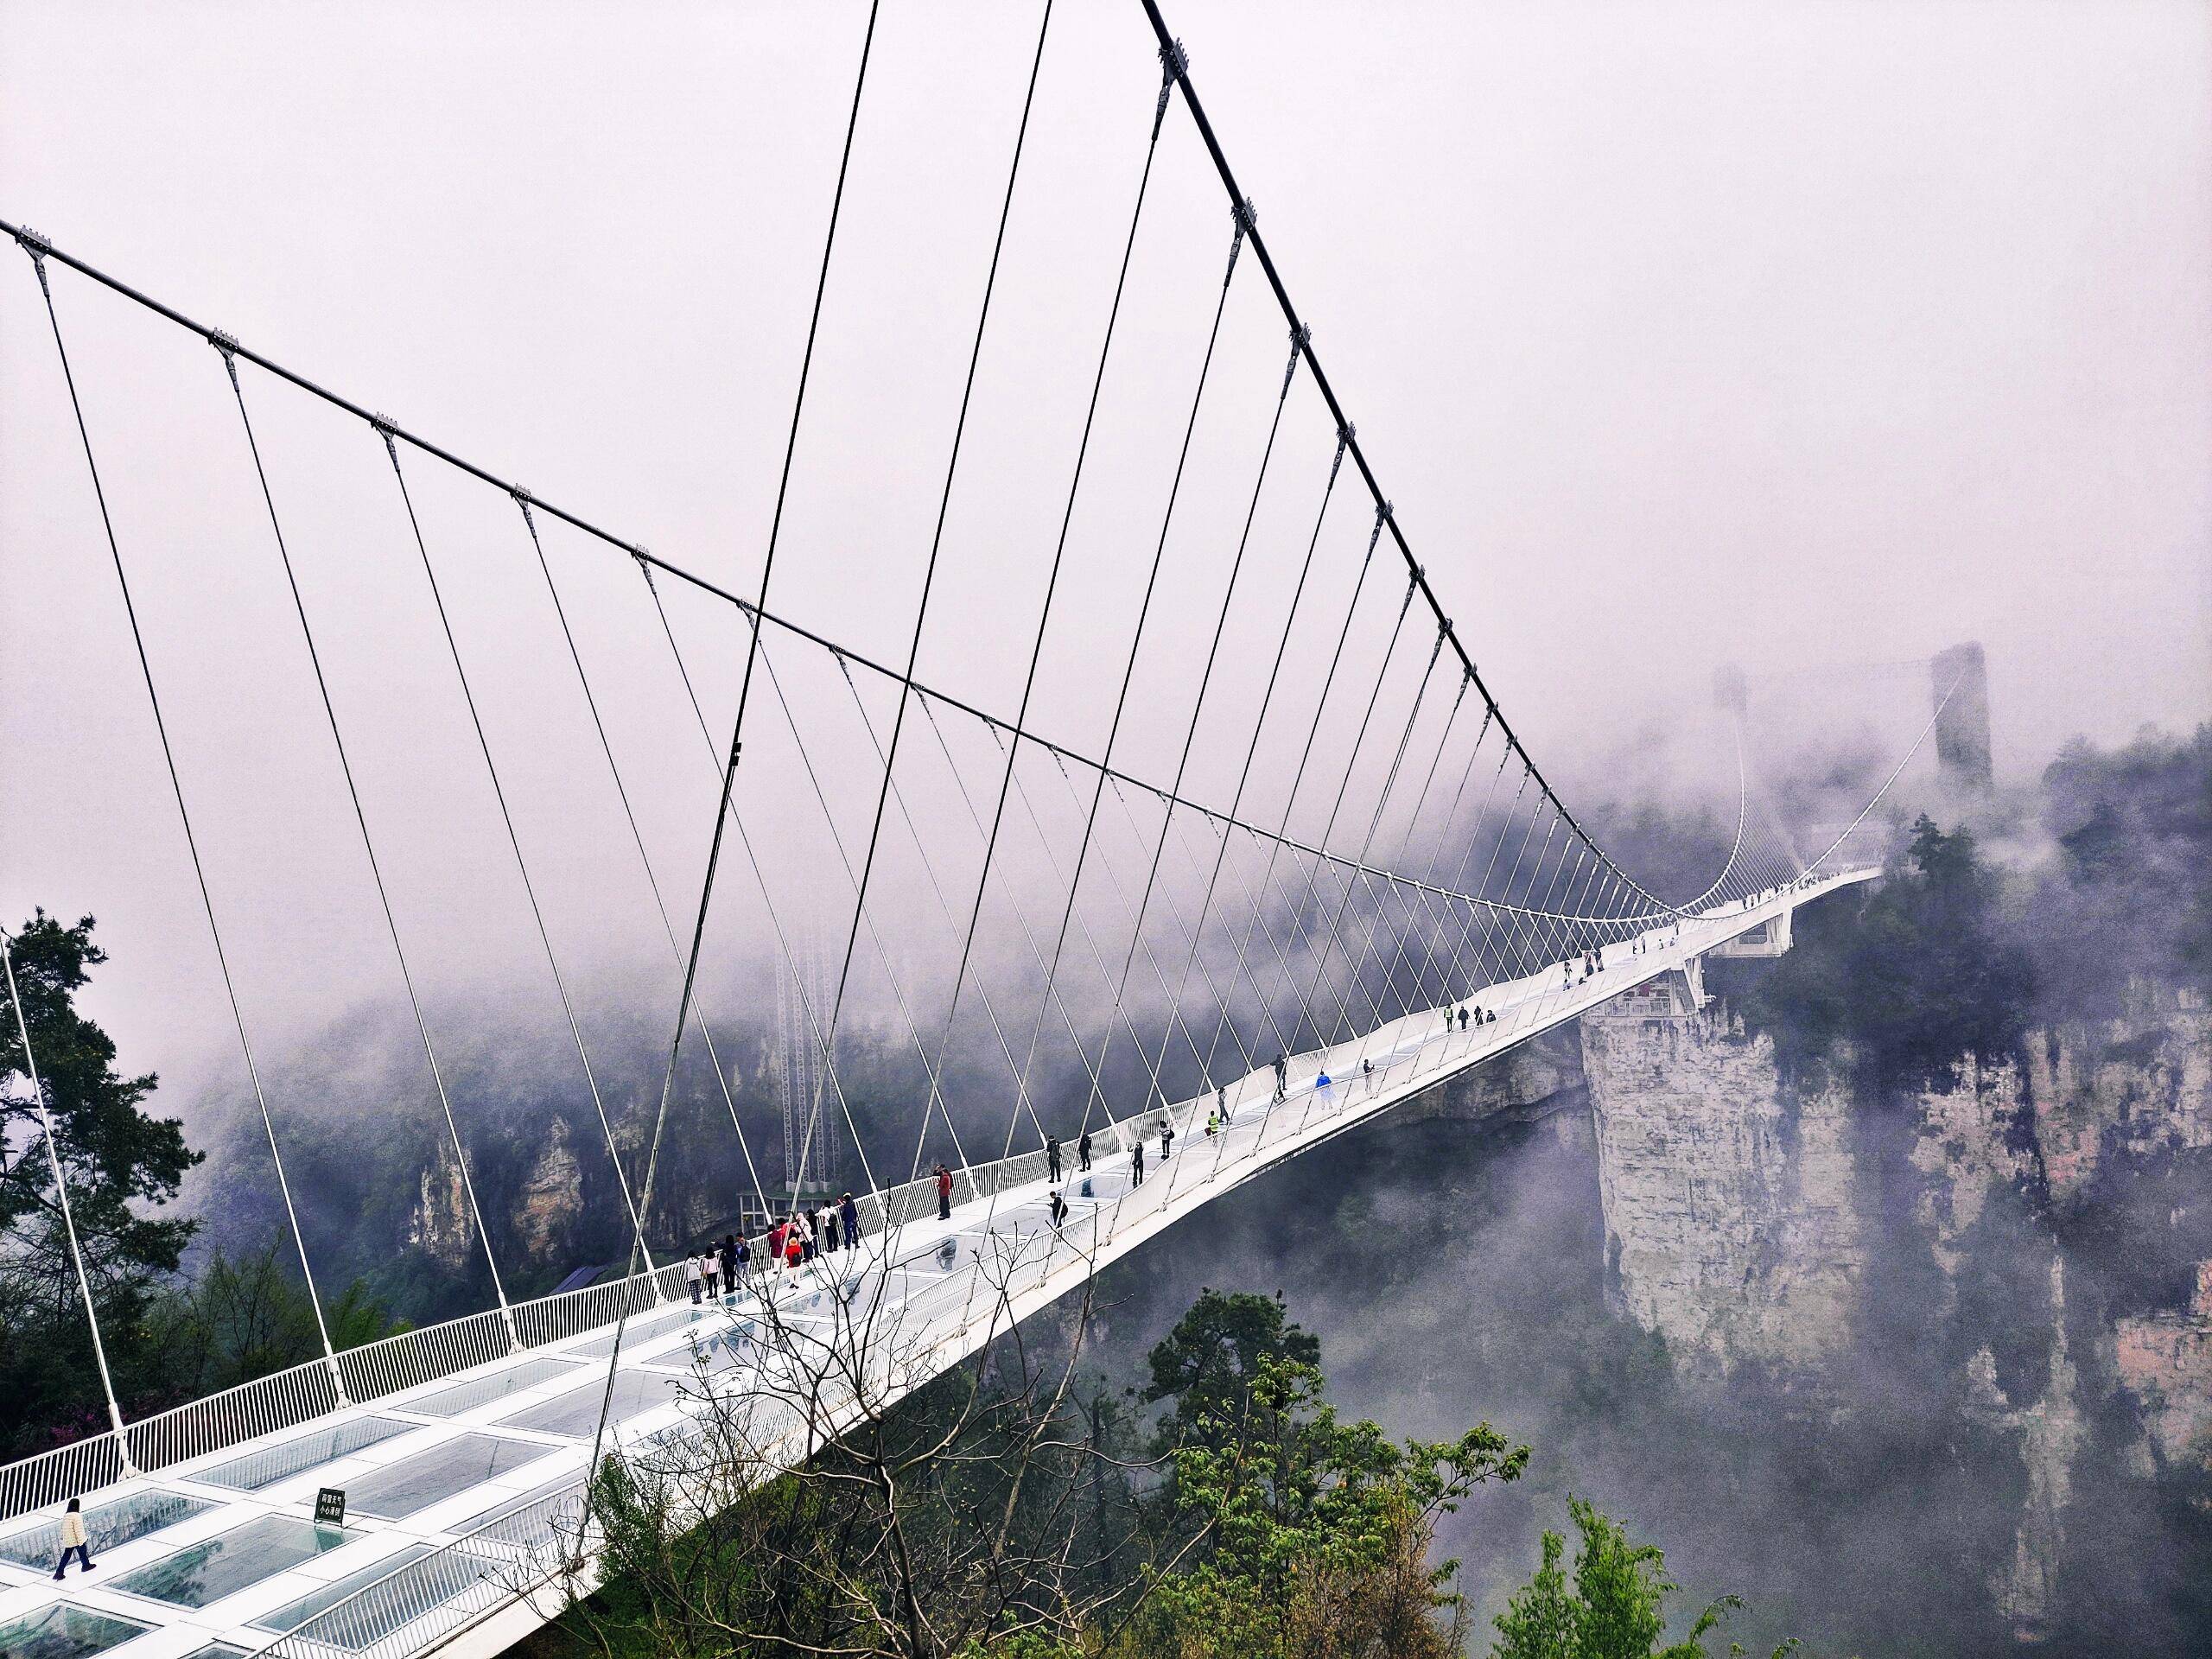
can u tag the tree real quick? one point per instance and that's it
(1206, 1365)
(247, 1315)
(1614, 1607)
(1303, 1536)
(1922, 976)
(121, 1165)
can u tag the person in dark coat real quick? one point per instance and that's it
(1136, 1164)
(1052, 1158)
(1283, 1076)
(849, 1213)
(1082, 1152)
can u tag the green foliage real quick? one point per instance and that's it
(1921, 977)
(2131, 894)
(1295, 1533)
(120, 1165)
(245, 1316)
(1205, 1367)
(1614, 1606)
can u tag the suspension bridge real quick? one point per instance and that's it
(1259, 906)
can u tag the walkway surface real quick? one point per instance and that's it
(458, 1487)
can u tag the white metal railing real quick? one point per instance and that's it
(282, 1400)
(51, 1477)
(413, 1357)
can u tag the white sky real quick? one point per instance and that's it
(1678, 333)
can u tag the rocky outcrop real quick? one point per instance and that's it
(2165, 1361)
(440, 1225)
(552, 1201)
(1732, 1220)
(1742, 1211)
(2050, 1429)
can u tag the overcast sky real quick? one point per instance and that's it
(1787, 335)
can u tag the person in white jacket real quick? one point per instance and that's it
(73, 1539)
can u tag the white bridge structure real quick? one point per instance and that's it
(1275, 966)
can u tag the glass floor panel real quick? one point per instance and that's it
(217, 1650)
(437, 1472)
(62, 1631)
(115, 1522)
(272, 1464)
(481, 1391)
(576, 1412)
(409, 1585)
(720, 1351)
(231, 1561)
(292, 1615)
(637, 1332)
(532, 1516)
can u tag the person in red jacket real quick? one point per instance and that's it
(944, 1193)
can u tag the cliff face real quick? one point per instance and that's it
(1733, 1222)
(440, 1225)
(1742, 1211)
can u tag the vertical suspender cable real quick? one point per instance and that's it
(928, 575)
(1053, 584)
(191, 839)
(514, 844)
(753, 644)
(737, 724)
(61, 1192)
(630, 816)
(1129, 668)
(1244, 775)
(376, 871)
(1191, 737)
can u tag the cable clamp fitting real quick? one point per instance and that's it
(385, 427)
(1301, 337)
(38, 247)
(1374, 536)
(522, 499)
(227, 344)
(1248, 219)
(1174, 64)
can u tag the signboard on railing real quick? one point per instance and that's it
(330, 1507)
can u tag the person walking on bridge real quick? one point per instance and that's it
(1052, 1159)
(1082, 1154)
(1220, 1101)
(1282, 1077)
(1136, 1163)
(73, 1539)
(729, 1264)
(944, 1193)
(849, 1213)
(691, 1276)
(1166, 1136)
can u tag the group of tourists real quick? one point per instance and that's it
(804, 1236)
(1477, 1017)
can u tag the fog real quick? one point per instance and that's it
(1696, 334)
